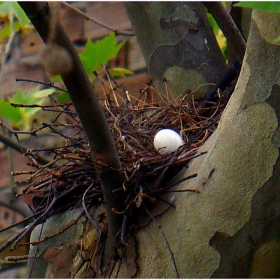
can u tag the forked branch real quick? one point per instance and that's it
(92, 117)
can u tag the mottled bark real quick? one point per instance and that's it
(231, 229)
(178, 45)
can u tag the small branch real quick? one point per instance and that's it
(23, 258)
(41, 83)
(86, 16)
(94, 223)
(15, 204)
(228, 27)
(21, 149)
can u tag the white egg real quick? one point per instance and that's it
(167, 141)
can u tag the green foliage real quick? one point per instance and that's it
(262, 6)
(222, 42)
(118, 72)
(21, 23)
(101, 52)
(21, 117)
(14, 7)
(9, 112)
(63, 97)
(6, 31)
(96, 54)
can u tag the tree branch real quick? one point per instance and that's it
(86, 16)
(228, 27)
(15, 204)
(90, 112)
(21, 149)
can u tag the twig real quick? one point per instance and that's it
(112, 88)
(171, 185)
(36, 253)
(86, 16)
(228, 27)
(17, 258)
(94, 223)
(36, 222)
(15, 204)
(55, 234)
(166, 241)
(41, 83)
(21, 222)
(14, 145)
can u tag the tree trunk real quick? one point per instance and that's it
(231, 229)
(178, 44)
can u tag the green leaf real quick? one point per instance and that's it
(5, 32)
(56, 78)
(9, 112)
(4, 7)
(277, 40)
(118, 72)
(63, 97)
(263, 6)
(38, 96)
(35, 96)
(96, 54)
(222, 42)
(213, 23)
(8, 7)
(20, 14)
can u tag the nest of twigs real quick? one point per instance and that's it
(62, 183)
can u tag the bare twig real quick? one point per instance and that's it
(166, 241)
(23, 258)
(40, 83)
(15, 204)
(86, 16)
(94, 223)
(22, 149)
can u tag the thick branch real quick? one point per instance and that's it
(90, 113)
(228, 27)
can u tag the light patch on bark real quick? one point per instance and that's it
(261, 19)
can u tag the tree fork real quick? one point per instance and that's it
(101, 142)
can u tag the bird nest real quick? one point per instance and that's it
(69, 179)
